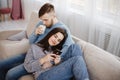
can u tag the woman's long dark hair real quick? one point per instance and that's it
(44, 42)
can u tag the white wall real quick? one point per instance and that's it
(30, 5)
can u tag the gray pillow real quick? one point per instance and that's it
(18, 36)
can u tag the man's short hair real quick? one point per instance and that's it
(46, 8)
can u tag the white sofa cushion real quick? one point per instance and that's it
(19, 36)
(12, 48)
(32, 22)
(29, 29)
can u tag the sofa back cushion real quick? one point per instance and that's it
(81, 42)
(101, 64)
(32, 22)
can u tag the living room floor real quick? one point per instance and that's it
(13, 24)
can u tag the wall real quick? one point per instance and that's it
(30, 5)
(3, 3)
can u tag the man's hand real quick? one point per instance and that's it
(40, 29)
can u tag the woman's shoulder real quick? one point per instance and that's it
(34, 46)
(36, 49)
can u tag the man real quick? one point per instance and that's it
(48, 19)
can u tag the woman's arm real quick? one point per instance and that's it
(31, 64)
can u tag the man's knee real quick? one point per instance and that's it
(76, 49)
(77, 58)
(75, 46)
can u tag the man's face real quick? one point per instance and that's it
(47, 19)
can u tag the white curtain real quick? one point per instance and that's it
(96, 21)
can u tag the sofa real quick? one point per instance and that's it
(101, 65)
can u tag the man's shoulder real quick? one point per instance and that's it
(60, 25)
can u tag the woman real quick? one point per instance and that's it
(45, 63)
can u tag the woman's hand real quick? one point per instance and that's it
(47, 58)
(47, 65)
(57, 59)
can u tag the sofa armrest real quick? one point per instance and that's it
(80, 42)
(7, 33)
(118, 58)
(75, 38)
(101, 65)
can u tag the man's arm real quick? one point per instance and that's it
(67, 43)
(32, 38)
(35, 34)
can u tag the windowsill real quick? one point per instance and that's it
(77, 12)
(107, 19)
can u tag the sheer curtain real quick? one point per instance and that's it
(104, 26)
(96, 21)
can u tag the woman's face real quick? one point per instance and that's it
(55, 39)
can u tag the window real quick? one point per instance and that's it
(108, 6)
(77, 5)
(103, 10)
(101, 6)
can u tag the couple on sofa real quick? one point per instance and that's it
(51, 56)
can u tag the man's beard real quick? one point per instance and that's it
(50, 24)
